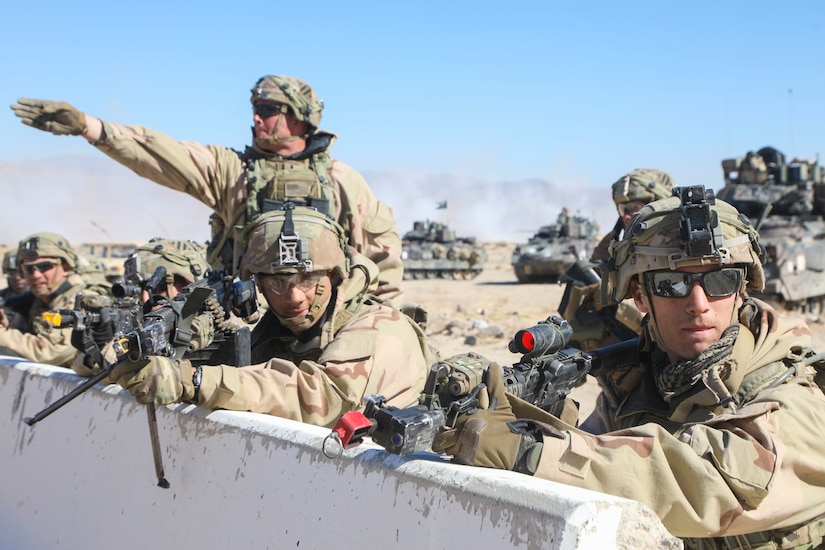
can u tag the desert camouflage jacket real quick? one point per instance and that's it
(216, 176)
(362, 346)
(756, 467)
(39, 342)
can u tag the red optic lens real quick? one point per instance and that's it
(528, 342)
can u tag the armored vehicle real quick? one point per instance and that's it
(105, 258)
(554, 248)
(785, 200)
(432, 251)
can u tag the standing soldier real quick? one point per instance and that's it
(287, 161)
(596, 323)
(323, 345)
(718, 427)
(48, 262)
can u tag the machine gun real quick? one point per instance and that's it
(545, 375)
(165, 331)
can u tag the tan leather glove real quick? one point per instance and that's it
(56, 117)
(156, 380)
(494, 438)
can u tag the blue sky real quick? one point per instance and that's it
(571, 93)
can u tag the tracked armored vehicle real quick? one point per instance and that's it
(554, 248)
(432, 251)
(786, 203)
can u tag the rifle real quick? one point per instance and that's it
(547, 372)
(164, 331)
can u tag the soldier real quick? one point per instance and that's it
(184, 261)
(47, 261)
(717, 429)
(595, 323)
(323, 345)
(288, 160)
(16, 282)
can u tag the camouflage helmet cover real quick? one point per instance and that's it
(290, 91)
(314, 242)
(46, 245)
(642, 184)
(10, 261)
(653, 241)
(186, 259)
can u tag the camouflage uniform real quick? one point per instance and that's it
(357, 344)
(725, 448)
(28, 336)
(596, 323)
(234, 184)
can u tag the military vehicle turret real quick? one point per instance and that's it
(785, 201)
(554, 248)
(432, 251)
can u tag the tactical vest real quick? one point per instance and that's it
(270, 182)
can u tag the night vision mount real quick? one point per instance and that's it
(699, 227)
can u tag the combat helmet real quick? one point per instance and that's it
(46, 245)
(291, 240)
(10, 261)
(642, 184)
(184, 259)
(291, 91)
(688, 229)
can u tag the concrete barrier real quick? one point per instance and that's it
(84, 478)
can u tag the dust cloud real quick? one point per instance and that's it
(90, 199)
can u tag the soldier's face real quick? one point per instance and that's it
(44, 275)
(17, 282)
(690, 325)
(296, 301)
(274, 123)
(627, 209)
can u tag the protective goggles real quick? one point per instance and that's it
(280, 284)
(266, 110)
(42, 267)
(678, 284)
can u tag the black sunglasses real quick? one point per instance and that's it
(678, 284)
(266, 110)
(42, 267)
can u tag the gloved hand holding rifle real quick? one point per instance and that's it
(150, 353)
(467, 393)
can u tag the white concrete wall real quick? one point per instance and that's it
(84, 478)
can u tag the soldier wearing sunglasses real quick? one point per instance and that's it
(48, 264)
(287, 161)
(323, 345)
(718, 426)
(594, 322)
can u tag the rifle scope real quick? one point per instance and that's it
(122, 290)
(545, 338)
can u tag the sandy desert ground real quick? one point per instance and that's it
(495, 298)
